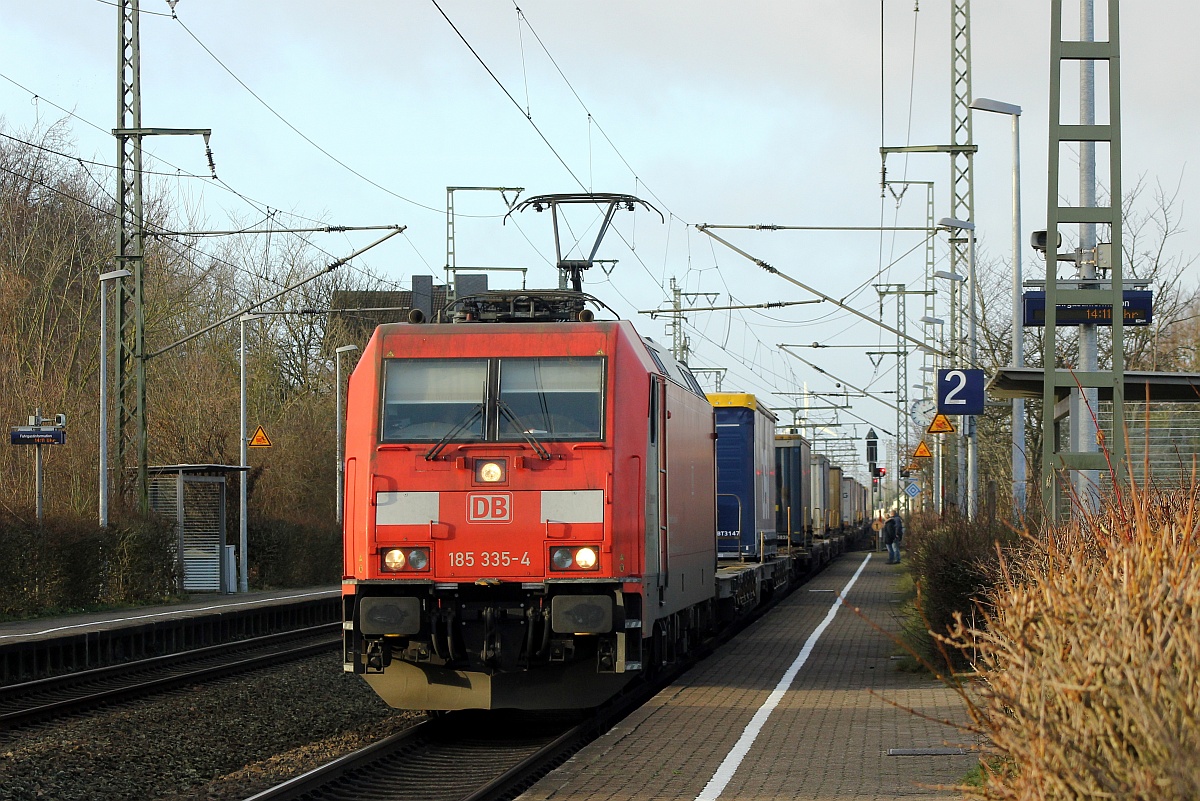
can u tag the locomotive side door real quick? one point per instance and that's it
(656, 486)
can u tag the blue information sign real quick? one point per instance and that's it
(37, 435)
(960, 391)
(1138, 307)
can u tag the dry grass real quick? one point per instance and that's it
(1088, 655)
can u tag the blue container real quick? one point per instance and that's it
(745, 477)
(793, 478)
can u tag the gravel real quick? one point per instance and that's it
(215, 742)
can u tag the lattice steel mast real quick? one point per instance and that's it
(1057, 383)
(131, 307)
(131, 369)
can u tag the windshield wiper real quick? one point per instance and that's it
(525, 432)
(441, 444)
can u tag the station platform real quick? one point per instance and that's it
(34, 648)
(801, 705)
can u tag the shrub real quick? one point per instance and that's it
(141, 564)
(1089, 657)
(69, 563)
(285, 553)
(953, 563)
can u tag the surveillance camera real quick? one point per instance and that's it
(60, 420)
(1038, 241)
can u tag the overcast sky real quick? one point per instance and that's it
(749, 112)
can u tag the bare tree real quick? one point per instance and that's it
(1151, 226)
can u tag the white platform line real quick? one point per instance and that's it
(179, 612)
(716, 785)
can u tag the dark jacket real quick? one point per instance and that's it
(893, 530)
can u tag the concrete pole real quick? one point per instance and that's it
(1019, 466)
(243, 536)
(104, 279)
(103, 404)
(1087, 401)
(971, 421)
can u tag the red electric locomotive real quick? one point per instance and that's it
(530, 514)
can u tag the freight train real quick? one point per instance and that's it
(534, 511)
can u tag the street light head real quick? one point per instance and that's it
(949, 276)
(950, 222)
(987, 104)
(346, 349)
(933, 320)
(114, 274)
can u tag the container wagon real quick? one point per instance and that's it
(745, 477)
(793, 474)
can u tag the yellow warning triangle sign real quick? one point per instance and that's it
(260, 439)
(941, 425)
(922, 451)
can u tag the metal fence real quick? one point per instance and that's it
(1163, 440)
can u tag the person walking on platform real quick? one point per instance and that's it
(893, 533)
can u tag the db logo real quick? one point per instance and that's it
(495, 508)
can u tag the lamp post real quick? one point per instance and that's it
(972, 496)
(104, 277)
(1018, 353)
(930, 377)
(243, 561)
(341, 462)
(955, 340)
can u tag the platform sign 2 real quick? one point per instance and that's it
(960, 391)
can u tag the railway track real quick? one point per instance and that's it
(480, 756)
(59, 696)
(461, 756)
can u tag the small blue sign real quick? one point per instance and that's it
(960, 391)
(37, 435)
(912, 490)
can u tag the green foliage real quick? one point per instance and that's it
(953, 563)
(141, 564)
(285, 553)
(71, 564)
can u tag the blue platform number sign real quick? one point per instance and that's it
(960, 391)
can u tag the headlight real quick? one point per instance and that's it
(418, 559)
(561, 559)
(394, 560)
(405, 560)
(584, 558)
(490, 471)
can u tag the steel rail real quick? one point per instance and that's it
(58, 696)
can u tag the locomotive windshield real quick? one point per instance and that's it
(551, 399)
(425, 399)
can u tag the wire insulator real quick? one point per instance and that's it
(212, 167)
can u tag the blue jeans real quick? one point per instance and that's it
(893, 551)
